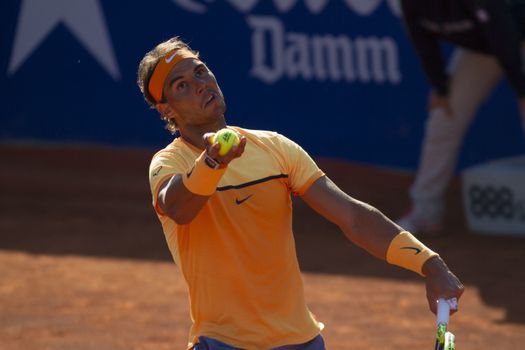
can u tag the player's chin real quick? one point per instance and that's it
(218, 110)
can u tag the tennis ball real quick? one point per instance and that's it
(227, 138)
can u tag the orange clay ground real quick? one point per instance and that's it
(84, 265)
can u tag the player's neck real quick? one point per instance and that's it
(193, 135)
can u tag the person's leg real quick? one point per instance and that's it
(473, 77)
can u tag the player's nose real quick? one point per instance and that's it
(200, 86)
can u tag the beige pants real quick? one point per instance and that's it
(473, 78)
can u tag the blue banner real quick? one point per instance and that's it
(339, 77)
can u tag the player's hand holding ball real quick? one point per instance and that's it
(226, 138)
(224, 145)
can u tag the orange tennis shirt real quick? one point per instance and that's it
(238, 254)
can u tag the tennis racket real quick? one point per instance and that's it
(445, 340)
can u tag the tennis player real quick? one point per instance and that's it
(228, 219)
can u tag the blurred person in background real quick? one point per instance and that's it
(488, 39)
(227, 218)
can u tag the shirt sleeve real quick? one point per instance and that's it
(502, 33)
(164, 165)
(301, 169)
(427, 47)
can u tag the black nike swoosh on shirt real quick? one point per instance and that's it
(414, 248)
(240, 201)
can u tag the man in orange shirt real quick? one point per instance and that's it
(228, 219)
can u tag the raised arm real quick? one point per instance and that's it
(182, 196)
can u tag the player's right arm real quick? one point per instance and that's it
(177, 202)
(182, 196)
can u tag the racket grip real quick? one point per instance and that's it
(443, 311)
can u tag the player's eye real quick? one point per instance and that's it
(182, 85)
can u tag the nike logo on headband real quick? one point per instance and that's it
(169, 59)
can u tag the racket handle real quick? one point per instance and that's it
(443, 311)
(450, 341)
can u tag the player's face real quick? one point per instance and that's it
(193, 95)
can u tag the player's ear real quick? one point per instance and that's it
(165, 110)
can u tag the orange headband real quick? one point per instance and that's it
(163, 68)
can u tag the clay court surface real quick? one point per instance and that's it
(84, 265)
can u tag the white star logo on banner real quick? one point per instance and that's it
(84, 18)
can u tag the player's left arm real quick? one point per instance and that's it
(362, 223)
(373, 231)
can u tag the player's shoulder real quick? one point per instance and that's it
(254, 132)
(264, 136)
(171, 150)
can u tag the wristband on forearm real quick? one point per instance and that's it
(407, 251)
(203, 178)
